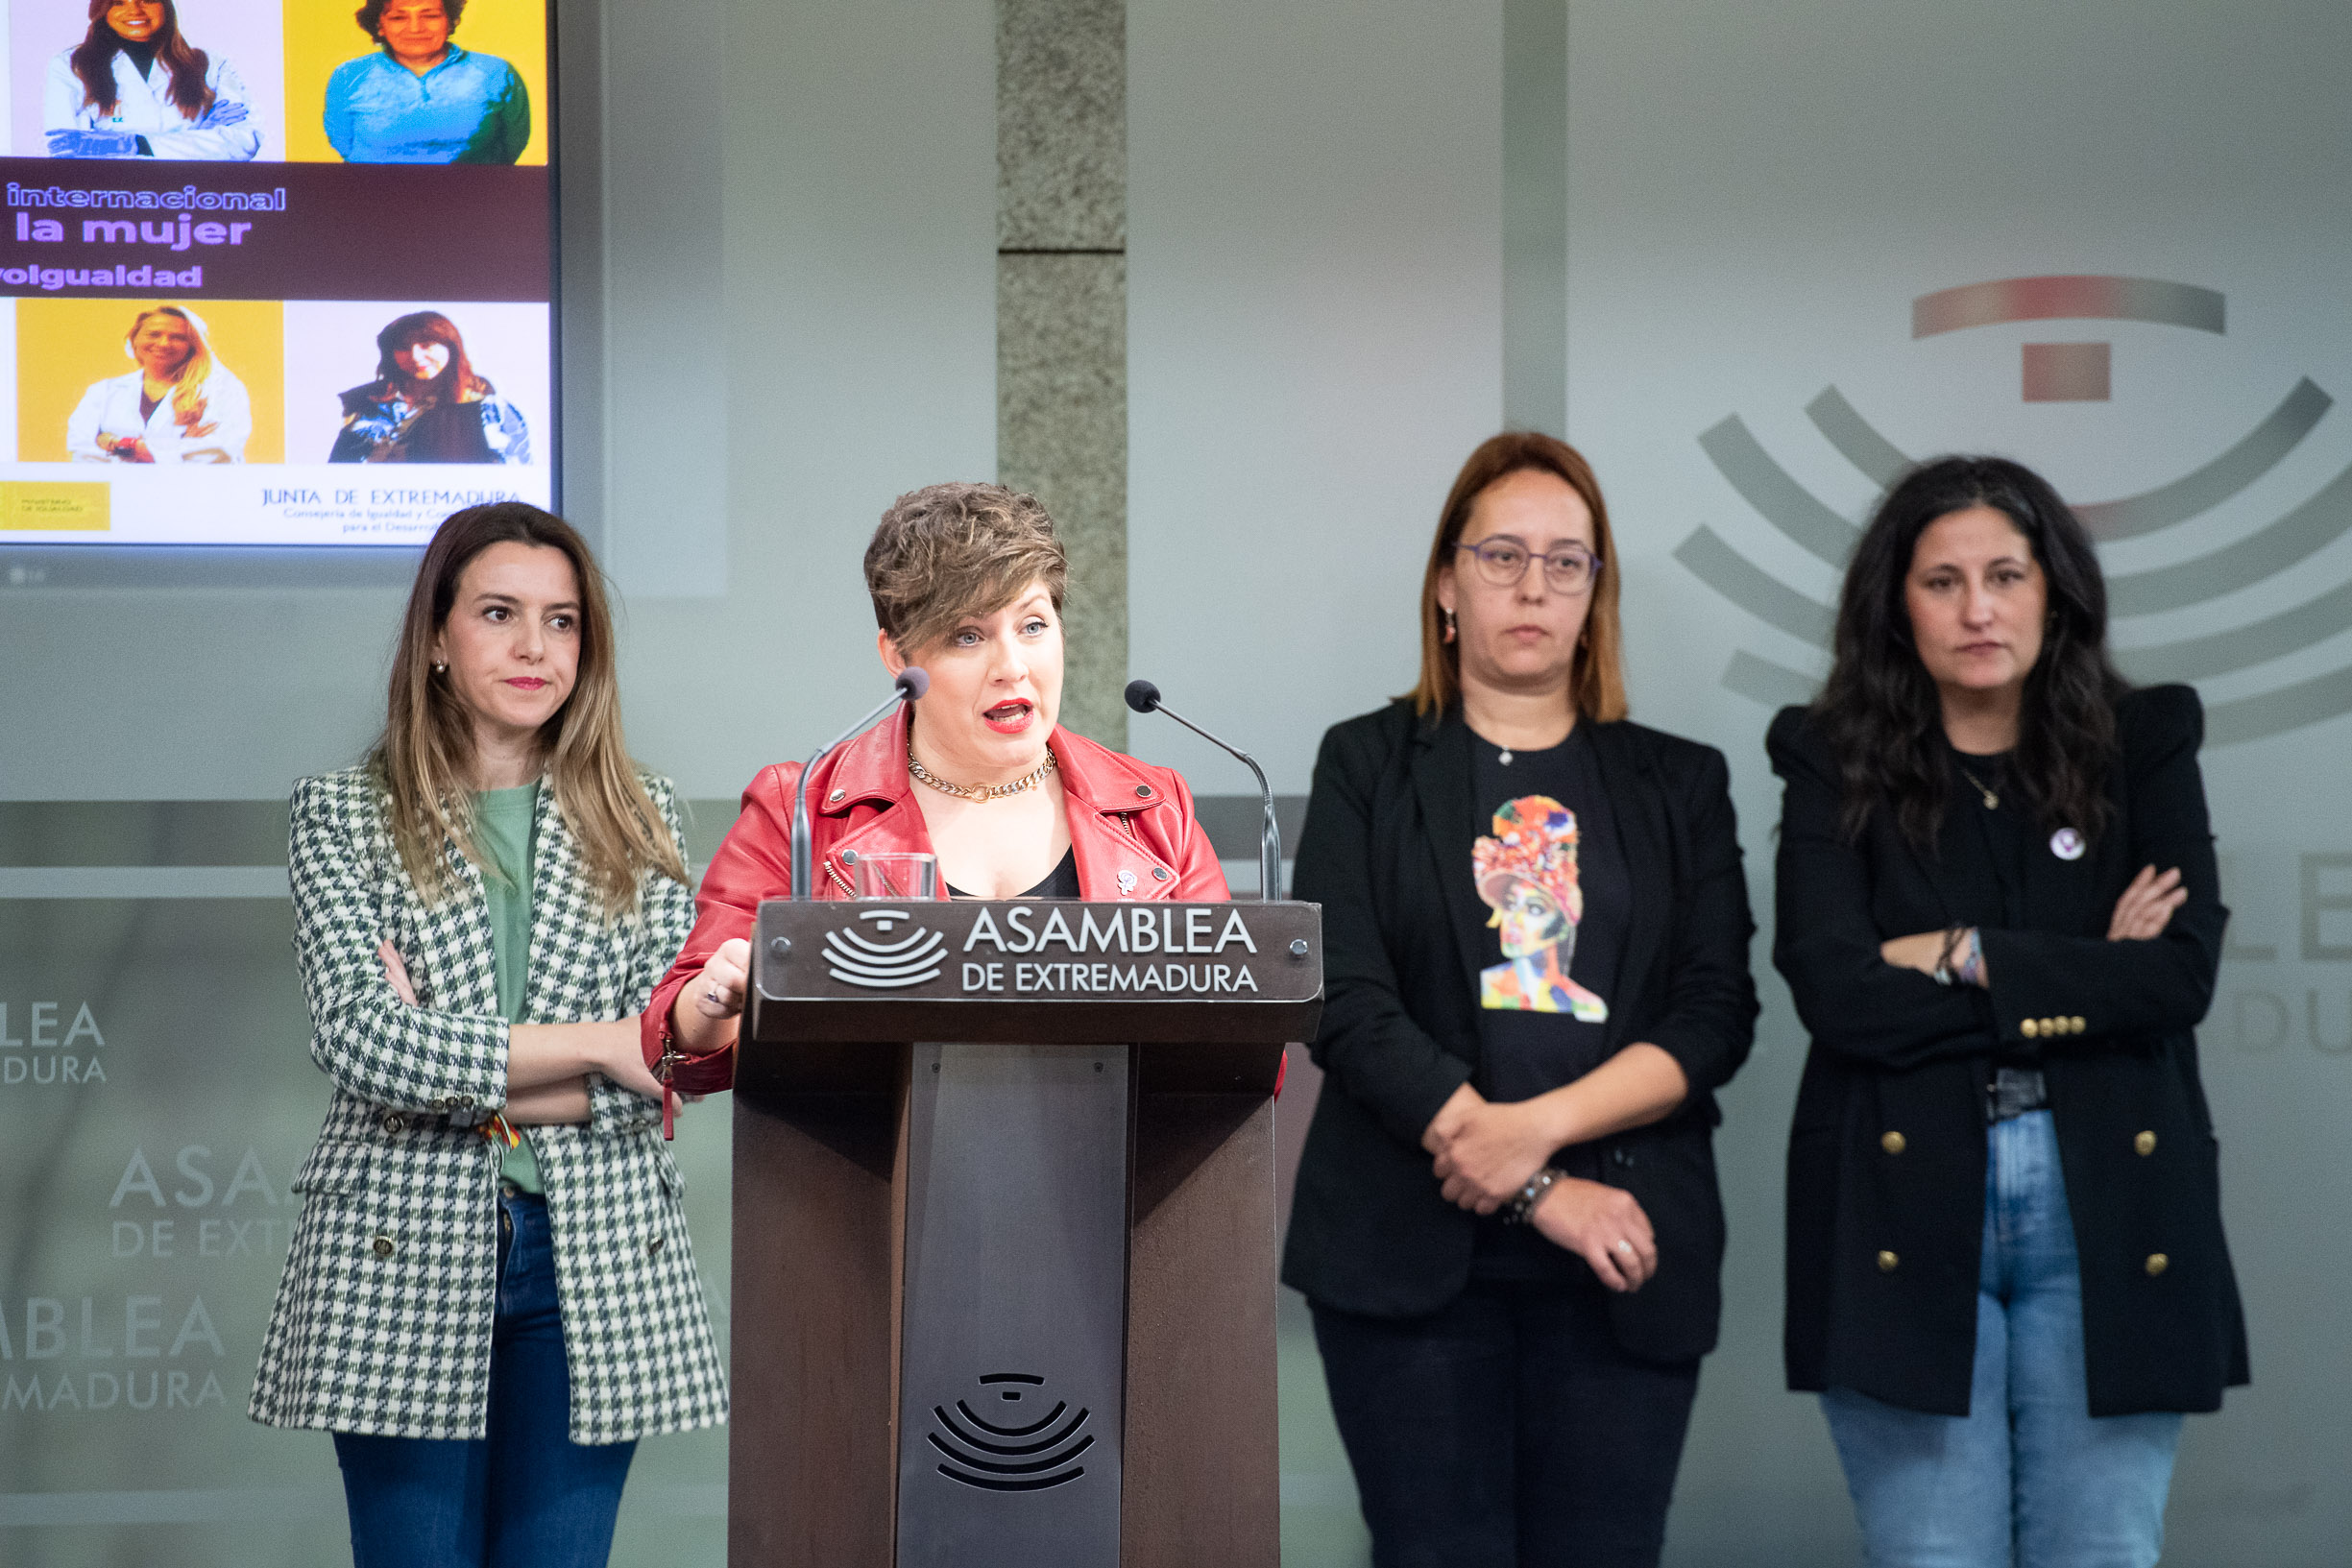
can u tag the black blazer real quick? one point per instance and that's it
(1883, 1231)
(1386, 850)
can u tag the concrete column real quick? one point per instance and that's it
(1062, 317)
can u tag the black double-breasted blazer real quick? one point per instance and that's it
(1386, 851)
(1886, 1158)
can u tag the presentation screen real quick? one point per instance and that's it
(273, 274)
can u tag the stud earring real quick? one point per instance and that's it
(1446, 635)
(441, 670)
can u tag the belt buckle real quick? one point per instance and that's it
(2013, 1091)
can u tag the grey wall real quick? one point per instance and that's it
(1315, 224)
(781, 309)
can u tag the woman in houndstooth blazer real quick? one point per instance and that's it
(491, 1295)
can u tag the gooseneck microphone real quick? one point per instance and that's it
(911, 683)
(1144, 697)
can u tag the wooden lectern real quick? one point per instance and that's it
(1003, 1279)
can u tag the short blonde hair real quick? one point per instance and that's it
(948, 551)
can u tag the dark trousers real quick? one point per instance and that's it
(1507, 1431)
(527, 1496)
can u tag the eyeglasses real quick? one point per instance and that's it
(1503, 561)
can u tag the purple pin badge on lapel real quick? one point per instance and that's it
(2066, 844)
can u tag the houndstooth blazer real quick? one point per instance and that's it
(383, 1318)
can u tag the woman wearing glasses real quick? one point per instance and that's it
(1536, 932)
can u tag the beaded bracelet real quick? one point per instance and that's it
(1943, 954)
(1523, 1206)
(1961, 962)
(1970, 969)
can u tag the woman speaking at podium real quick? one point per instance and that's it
(966, 581)
(490, 1295)
(1536, 937)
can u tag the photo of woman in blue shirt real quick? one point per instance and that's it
(422, 98)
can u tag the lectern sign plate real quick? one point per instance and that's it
(1156, 966)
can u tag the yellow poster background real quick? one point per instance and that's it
(62, 346)
(321, 35)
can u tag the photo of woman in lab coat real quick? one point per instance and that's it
(181, 405)
(135, 87)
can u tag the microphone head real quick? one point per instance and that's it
(1142, 696)
(912, 682)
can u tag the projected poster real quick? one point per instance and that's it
(273, 274)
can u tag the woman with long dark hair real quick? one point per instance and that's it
(489, 1294)
(1999, 917)
(1535, 948)
(135, 87)
(427, 404)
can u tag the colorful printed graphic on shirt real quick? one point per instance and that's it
(1527, 871)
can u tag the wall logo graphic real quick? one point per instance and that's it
(1021, 1456)
(52, 1043)
(853, 959)
(2067, 373)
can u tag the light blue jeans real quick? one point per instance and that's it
(2028, 1478)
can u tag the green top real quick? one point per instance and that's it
(505, 823)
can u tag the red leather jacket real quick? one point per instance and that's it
(1131, 830)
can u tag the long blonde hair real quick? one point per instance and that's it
(425, 760)
(1597, 684)
(188, 382)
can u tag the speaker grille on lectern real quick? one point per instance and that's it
(1027, 1457)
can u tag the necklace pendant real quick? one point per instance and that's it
(983, 793)
(1506, 759)
(1991, 799)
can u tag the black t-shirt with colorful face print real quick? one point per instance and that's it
(1551, 869)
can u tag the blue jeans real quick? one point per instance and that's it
(2028, 1476)
(527, 1496)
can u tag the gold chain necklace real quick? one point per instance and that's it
(979, 792)
(1991, 802)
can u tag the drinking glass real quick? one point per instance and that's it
(898, 876)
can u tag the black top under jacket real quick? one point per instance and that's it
(1886, 1156)
(1386, 851)
(1523, 1054)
